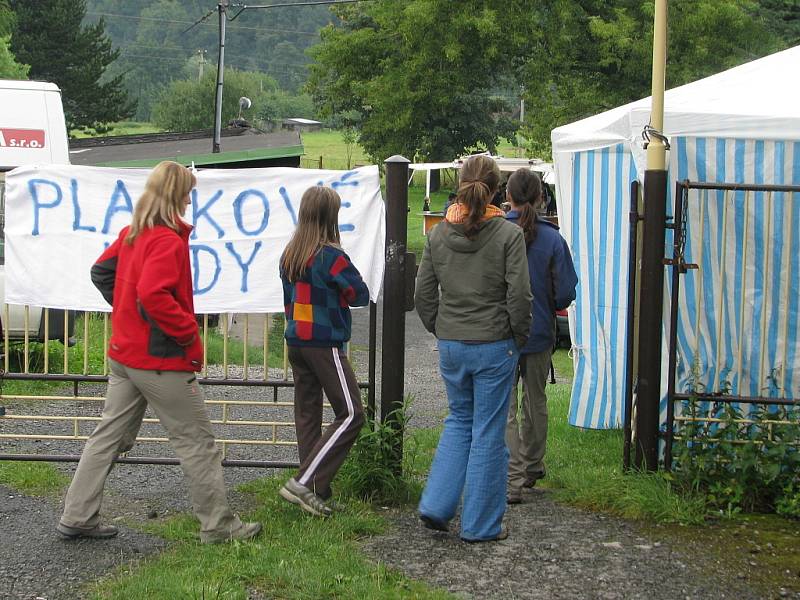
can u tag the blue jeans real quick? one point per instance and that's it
(472, 456)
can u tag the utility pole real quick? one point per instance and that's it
(648, 397)
(222, 7)
(201, 63)
(522, 104)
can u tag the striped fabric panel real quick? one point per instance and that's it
(596, 228)
(738, 315)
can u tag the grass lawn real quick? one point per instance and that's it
(121, 128)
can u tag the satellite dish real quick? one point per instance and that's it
(244, 104)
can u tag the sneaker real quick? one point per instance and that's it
(299, 494)
(499, 537)
(98, 532)
(531, 481)
(514, 496)
(245, 531)
(435, 524)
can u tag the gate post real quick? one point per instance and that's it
(651, 298)
(394, 306)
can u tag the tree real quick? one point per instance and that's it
(49, 37)
(9, 67)
(782, 18)
(188, 104)
(420, 73)
(597, 54)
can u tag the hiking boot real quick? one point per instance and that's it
(531, 481)
(304, 498)
(98, 532)
(499, 537)
(245, 531)
(435, 524)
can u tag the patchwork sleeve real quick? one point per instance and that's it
(349, 281)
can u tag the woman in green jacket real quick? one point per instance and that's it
(474, 294)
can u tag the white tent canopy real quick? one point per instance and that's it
(738, 312)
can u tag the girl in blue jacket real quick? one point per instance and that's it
(553, 282)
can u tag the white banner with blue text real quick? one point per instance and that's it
(59, 219)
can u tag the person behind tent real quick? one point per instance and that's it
(473, 293)
(319, 285)
(153, 354)
(553, 282)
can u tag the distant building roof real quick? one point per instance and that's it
(241, 147)
(301, 121)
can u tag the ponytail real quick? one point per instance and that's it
(480, 177)
(525, 189)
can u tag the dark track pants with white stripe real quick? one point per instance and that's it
(322, 453)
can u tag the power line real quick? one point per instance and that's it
(185, 22)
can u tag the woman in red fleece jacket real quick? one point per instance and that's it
(153, 354)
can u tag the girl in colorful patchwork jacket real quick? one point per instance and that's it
(319, 285)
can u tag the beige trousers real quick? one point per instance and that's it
(178, 401)
(526, 428)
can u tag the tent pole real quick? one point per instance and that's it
(652, 270)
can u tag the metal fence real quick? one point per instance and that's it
(732, 332)
(52, 391)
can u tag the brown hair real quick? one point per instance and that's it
(162, 202)
(525, 189)
(478, 181)
(317, 226)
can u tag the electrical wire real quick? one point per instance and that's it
(185, 22)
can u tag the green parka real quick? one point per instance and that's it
(475, 290)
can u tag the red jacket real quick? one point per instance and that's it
(149, 286)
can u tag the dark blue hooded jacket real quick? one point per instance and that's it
(553, 282)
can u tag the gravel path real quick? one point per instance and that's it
(553, 551)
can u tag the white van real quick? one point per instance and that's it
(32, 132)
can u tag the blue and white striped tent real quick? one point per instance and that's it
(738, 320)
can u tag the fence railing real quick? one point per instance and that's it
(51, 392)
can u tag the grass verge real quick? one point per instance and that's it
(33, 478)
(295, 557)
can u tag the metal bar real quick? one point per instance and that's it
(85, 343)
(672, 344)
(105, 343)
(155, 440)
(267, 322)
(394, 316)
(245, 363)
(634, 219)
(6, 348)
(765, 283)
(785, 338)
(737, 421)
(721, 285)
(742, 286)
(225, 334)
(66, 342)
(276, 383)
(144, 460)
(27, 345)
(699, 275)
(46, 357)
(740, 187)
(740, 399)
(373, 327)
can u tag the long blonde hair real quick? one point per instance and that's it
(317, 226)
(478, 181)
(162, 202)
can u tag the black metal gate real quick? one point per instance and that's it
(723, 349)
